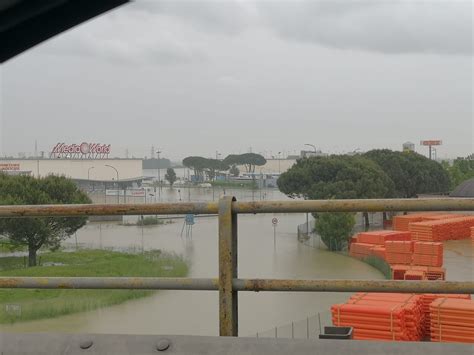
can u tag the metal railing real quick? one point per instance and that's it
(228, 284)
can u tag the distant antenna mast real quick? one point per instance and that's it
(152, 155)
(36, 148)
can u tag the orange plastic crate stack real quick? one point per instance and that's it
(428, 254)
(452, 320)
(399, 252)
(440, 230)
(360, 250)
(401, 223)
(381, 316)
(472, 234)
(427, 299)
(381, 236)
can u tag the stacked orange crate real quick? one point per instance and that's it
(381, 236)
(452, 320)
(399, 252)
(398, 271)
(472, 234)
(401, 223)
(427, 299)
(428, 254)
(440, 230)
(381, 316)
(360, 250)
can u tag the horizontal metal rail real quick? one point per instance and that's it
(255, 285)
(108, 209)
(371, 205)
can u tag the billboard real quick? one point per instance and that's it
(83, 150)
(9, 167)
(431, 142)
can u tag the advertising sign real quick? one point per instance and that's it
(9, 167)
(83, 150)
(431, 142)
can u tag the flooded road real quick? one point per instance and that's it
(196, 312)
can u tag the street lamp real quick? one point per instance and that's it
(88, 178)
(88, 170)
(118, 187)
(313, 146)
(158, 151)
(279, 170)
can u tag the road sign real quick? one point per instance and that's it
(274, 221)
(189, 219)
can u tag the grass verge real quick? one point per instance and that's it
(18, 305)
(380, 265)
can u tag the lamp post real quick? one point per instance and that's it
(118, 186)
(158, 151)
(279, 170)
(88, 171)
(88, 177)
(313, 146)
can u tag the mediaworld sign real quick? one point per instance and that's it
(83, 150)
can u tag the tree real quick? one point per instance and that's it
(234, 170)
(336, 177)
(198, 164)
(335, 228)
(411, 173)
(170, 176)
(461, 170)
(202, 165)
(44, 231)
(248, 160)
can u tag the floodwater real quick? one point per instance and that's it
(260, 256)
(196, 312)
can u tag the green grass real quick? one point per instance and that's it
(380, 265)
(39, 304)
(8, 247)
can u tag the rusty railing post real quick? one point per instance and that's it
(228, 303)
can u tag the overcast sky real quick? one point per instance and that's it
(193, 77)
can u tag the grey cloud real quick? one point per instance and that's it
(216, 16)
(441, 27)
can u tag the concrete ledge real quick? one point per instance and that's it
(171, 344)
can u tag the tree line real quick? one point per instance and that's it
(379, 173)
(210, 168)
